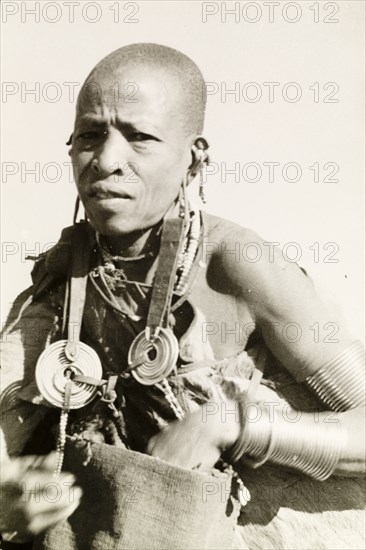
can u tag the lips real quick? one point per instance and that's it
(101, 191)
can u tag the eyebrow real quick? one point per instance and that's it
(98, 120)
(95, 119)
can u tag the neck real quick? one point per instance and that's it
(139, 242)
(143, 241)
(135, 244)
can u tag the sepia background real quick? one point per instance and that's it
(296, 77)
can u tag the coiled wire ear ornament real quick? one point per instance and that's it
(54, 371)
(154, 352)
(69, 372)
(67, 383)
(153, 360)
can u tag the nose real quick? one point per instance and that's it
(112, 156)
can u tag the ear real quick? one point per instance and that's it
(199, 157)
(69, 142)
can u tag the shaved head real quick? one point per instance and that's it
(172, 66)
(139, 114)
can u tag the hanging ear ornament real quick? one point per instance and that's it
(201, 191)
(77, 202)
(183, 201)
(153, 354)
(76, 210)
(200, 147)
(68, 372)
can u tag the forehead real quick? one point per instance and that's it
(131, 93)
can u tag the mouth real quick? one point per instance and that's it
(103, 192)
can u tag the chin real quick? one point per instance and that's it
(112, 227)
(114, 230)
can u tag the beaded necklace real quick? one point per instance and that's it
(188, 254)
(84, 374)
(184, 266)
(116, 276)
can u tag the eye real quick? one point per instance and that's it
(89, 136)
(141, 136)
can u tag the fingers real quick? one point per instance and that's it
(40, 522)
(13, 469)
(37, 510)
(16, 467)
(48, 462)
(32, 497)
(51, 495)
(49, 517)
(187, 453)
(39, 486)
(151, 445)
(27, 466)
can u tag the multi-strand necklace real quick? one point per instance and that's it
(116, 276)
(151, 359)
(69, 372)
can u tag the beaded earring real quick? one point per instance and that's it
(200, 147)
(76, 210)
(201, 191)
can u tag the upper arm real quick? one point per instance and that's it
(29, 327)
(301, 329)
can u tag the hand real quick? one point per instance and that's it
(198, 440)
(33, 499)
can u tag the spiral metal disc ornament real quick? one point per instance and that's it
(54, 370)
(154, 359)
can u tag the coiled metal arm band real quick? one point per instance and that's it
(340, 384)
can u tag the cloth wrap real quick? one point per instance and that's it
(287, 509)
(132, 501)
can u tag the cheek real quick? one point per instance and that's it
(167, 184)
(78, 164)
(173, 169)
(159, 177)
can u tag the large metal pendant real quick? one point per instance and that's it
(153, 360)
(54, 370)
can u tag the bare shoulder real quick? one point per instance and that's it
(248, 264)
(279, 294)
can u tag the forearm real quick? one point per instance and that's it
(353, 459)
(317, 443)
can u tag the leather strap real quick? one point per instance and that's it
(78, 282)
(161, 297)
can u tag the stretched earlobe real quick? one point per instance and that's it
(69, 142)
(200, 157)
